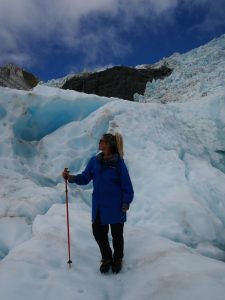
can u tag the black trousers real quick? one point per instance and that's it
(100, 232)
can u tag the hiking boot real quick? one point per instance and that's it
(117, 265)
(105, 265)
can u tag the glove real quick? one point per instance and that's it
(65, 174)
(125, 207)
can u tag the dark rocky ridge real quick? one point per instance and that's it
(121, 82)
(14, 77)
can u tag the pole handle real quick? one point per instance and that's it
(66, 173)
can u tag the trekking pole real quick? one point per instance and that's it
(67, 217)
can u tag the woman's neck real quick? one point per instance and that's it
(107, 155)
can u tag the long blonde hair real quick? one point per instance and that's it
(115, 142)
(119, 143)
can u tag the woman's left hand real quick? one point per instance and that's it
(125, 207)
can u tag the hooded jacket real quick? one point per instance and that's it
(112, 187)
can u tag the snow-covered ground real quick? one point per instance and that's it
(175, 152)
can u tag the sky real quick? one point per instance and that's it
(54, 38)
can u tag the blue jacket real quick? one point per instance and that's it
(112, 188)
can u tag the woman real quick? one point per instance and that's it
(112, 194)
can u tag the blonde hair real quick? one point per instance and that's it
(119, 143)
(115, 142)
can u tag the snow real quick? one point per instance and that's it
(174, 237)
(59, 82)
(195, 75)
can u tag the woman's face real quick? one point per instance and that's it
(103, 146)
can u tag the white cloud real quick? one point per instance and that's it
(26, 25)
(16, 57)
(46, 23)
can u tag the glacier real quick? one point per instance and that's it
(175, 152)
(196, 74)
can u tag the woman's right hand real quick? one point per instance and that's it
(65, 174)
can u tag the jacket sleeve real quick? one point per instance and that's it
(85, 177)
(126, 185)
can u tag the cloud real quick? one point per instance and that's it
(95, 28)
(215, 16)
(49, 23)
(56, 23)
(212, 16)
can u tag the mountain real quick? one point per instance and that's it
(120, 82)
(14, 77)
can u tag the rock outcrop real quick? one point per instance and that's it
(120, 82)
(14, 77)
